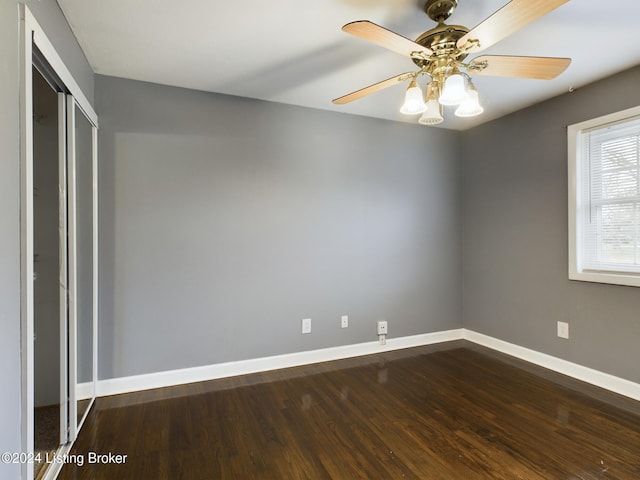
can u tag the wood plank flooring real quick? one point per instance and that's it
(451, 411)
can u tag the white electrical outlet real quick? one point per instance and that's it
(382, 327)
(344, 321)
(306, 325)
(563, 329)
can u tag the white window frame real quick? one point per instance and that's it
(574, 135)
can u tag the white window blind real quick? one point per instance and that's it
(608, 212)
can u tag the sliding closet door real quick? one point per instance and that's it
(81, 143)
(73, 293)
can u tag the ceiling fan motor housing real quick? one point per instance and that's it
(442, 41)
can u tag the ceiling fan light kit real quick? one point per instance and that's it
(470, 106)
(433, 115)
(440, 53)
(454, 91)
(413, 102)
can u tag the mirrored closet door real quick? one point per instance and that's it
(64, 265)
(50, 314)
(82, 252)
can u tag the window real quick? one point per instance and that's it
(604, 199)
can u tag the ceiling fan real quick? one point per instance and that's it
(441, 54)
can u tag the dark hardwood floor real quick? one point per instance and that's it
(451, 411)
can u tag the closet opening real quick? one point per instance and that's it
(49, 277)
(59, 300)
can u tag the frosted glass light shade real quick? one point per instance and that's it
(470, 106)
(413, 102)
(433, 114)
(453, 92)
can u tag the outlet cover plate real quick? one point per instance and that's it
(306, 325)
(344, 321)
(382, 327)
(563, 330)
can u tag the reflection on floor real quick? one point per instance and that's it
(46, 435)
(440, 412)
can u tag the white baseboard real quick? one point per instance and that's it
(585, 374)
(243, 367)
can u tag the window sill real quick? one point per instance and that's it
(630, 280)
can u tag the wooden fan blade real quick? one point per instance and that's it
(513, 16)
(543, 68)
(371, 32)
(363, 92)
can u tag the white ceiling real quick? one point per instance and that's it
(294, 52)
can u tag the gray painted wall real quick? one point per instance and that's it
(9, 237)
(515, 254)
(225, 221)
(52, 20)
